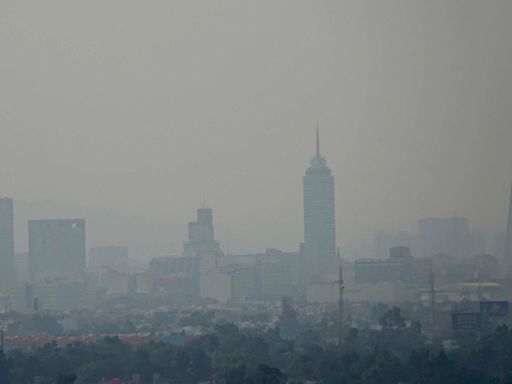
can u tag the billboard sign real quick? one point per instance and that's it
(494, 308)
(466, 321)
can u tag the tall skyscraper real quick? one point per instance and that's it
(201, 236)
(508, 236)
(6, 243)
(319, 210)
(56, 248)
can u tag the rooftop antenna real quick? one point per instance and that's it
(203, 201)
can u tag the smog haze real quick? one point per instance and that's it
(152, 109)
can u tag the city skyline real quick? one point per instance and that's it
(489, 240)
(415, 124)
(230, 192)
(409, 236)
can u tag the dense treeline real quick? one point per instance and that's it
(392, 355)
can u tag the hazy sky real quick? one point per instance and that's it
(147, 108)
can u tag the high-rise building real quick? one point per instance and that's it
(508, 235)
(319, 211)
(56, 248)
(450, 237)
(201, 237)
(21, 266)
(6, 243)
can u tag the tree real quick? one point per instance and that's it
(236, 374)
(4, 368)
(267, 375)
(288, 323)
(66, 379)
(392, 319)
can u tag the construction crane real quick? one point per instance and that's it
(341, 302)
(432, 292)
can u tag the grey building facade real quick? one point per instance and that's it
(56, 248)
(439, 236)
(319, 211)
(201, 236)
(7, 271)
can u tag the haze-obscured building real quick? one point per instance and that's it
(449, 236)
(201, 236)
(21, 266)
(51, 294)
(176, 277)
(266, 276)
(400, 266)
(278, 274)
(111, 257)
(111, 282)
(319, 214)
(243, 284)
(60, 294)
(7, 272)
(56, 248)
(216, 284)
(383, 241)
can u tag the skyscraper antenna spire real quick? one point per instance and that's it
(317, 140)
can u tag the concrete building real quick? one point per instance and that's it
(449, 237)
(265, 276)
(400, 253)
(143, 283)
(7, 272)
(56, 248)
(243, 284)
(383, 292)
(21, 266)
(110, 257)
(216, 284)
(20, 296)
(400, 266)
(177, 277)
(60, 295)
(113, 283)
(319, 212)
(52, 294)
(201, 236)
(277, 274)
(383, 241)
(380, 271)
